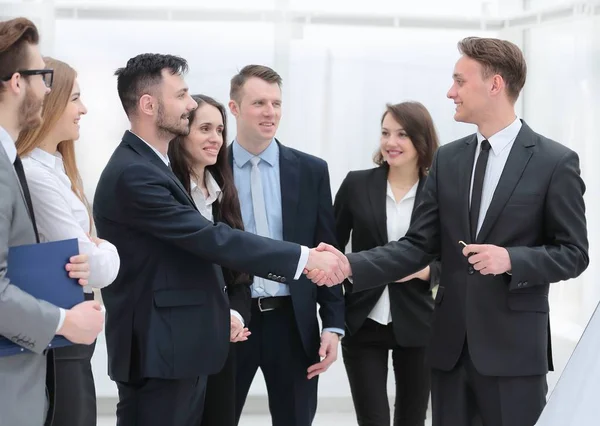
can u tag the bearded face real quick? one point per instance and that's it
(30, 112)
(172, 123)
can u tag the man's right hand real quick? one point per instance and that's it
(325, 266)
(83, 322)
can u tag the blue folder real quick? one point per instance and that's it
(39, 269)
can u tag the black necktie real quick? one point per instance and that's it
(478, 187)
(21, 175)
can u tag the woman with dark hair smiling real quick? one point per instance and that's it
(201, 163)
(377, 206)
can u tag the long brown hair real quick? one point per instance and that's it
(227, 209)
(54, 106)
(418, 125)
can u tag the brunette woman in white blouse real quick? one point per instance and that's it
(377, 206)
(201, 163)
(62, 212)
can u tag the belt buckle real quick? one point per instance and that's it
(260, 308)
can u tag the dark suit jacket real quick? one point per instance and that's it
(308, 220)
(167, 311)
(360, 207)
(240, 298)
(537, 213)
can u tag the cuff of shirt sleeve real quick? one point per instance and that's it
(61, 321)
(302, 262)
(238, 316)
(337, 331)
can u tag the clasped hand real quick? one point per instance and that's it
(327, 266)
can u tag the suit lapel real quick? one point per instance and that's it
(145, 151)
(417, 197)
(464, 166)
(289, 177)
(519, 156)
(376, 188)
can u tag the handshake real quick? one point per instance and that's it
(327, 266)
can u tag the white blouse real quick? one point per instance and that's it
(398, 215)
(61, 215)
(204, 205)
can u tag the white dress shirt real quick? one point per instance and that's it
(11, 151)
(398, 215)
(205, 203)
(61, 215)
(501, 144)
(164, 158)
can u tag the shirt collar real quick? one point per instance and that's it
(214, 190)
(412, 192)
(47, 159)
(503, 138)
(270, 155)
(8, 144)
(165, 159)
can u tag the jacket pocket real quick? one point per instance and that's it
(528, 302)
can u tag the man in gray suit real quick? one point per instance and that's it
(29, 322)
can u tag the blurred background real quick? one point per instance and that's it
(341, 62)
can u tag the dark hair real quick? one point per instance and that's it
(498, 57)
(15, 35)
(259, 71)
(418, 125)
(141, 73)
(227, 210)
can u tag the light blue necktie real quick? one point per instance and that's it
(260, 220)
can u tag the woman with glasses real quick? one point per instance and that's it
(62, 212)
(200, 161)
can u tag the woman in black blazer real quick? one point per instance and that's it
(376, 205)
(201, 163)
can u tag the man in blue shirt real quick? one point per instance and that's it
(284, 194)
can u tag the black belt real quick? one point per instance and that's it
(265, 304)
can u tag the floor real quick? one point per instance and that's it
(326, 419)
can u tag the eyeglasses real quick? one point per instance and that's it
(47, 75)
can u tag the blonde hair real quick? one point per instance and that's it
(54, 106)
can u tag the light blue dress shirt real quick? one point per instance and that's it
(269, 171)
(271, 183)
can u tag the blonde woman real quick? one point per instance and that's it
(62, 212)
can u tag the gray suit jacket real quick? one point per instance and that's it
(25, 320)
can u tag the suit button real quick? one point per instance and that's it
(525, 283)
(282, 279)
(471, 270)
(270, 276)
(520, 285)
(225, 289)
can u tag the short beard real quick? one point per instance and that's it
(168, 127)
(30, 112)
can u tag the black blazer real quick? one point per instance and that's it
(167, 311)
(360, 207)
(240, 297)
(537, 213)
(308, 220)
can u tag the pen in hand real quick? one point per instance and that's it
(465, 244)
